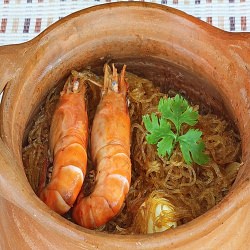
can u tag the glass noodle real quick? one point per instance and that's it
(190, 189)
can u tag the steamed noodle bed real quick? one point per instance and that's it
(191, 190)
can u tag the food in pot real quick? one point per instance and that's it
(68, 140)
(110, 153)
(156, 214)
(171, 129)
(165, 192)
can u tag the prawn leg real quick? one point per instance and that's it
(110, 152)
(68, 145)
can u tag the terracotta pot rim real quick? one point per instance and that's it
(221, 211)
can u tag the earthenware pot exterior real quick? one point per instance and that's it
(154, 41)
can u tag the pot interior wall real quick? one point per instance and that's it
(168, 76)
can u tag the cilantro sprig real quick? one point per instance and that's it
(175, 112)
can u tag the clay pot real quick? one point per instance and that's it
(166, 45)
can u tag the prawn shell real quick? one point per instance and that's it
(110, 151)
(111, 124)
(68, 143)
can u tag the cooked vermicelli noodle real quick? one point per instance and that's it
(191, 190)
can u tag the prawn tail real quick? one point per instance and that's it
(107, 199)
(54, 200)
(61, 193)
(92, 212)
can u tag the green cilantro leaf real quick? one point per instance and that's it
(192, 147)
(165, 146)
(160, 131)
(178, 111)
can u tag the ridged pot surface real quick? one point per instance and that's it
(155, 42)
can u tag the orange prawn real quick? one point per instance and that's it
(110, 152)
(68, 144)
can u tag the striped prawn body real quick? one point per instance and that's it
(68, 145)
(110, 152)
